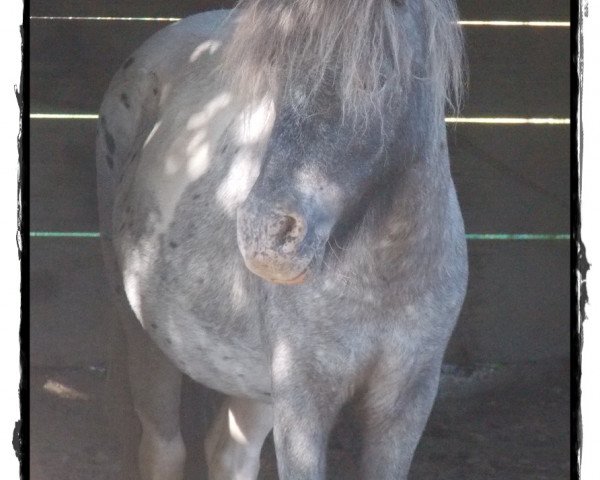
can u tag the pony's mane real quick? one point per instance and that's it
(362, 48)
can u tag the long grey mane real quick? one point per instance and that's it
(359, 47)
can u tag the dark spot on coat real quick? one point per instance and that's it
(154, 325)
(226, 358)
(173, 244)
(110, 141)
(224, 149)
(125, 100)
(266, 394)
(169, 341)
(110, 162)
(155, 91)
(128, 63)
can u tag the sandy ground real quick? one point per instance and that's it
(491, 422)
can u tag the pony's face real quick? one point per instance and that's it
(317, 172)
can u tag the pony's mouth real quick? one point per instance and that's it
(292, 281)
(311, 270)
(284, 273)
(278, 277)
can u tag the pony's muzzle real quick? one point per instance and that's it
(275, 246)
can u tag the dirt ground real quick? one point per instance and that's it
(492, 422)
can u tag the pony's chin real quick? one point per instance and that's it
(285, 270)
(280, 278)
(289, 274)
(291, 281)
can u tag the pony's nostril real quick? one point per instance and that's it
(290, 231)
(289, 227)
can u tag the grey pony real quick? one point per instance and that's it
(279, 223)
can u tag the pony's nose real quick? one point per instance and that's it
(274, 245)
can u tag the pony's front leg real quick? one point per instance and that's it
(306, 404)
(396, 408)
(156, 389)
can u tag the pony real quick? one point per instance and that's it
(279, 223)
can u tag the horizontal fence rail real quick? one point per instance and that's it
(109, 19)
(510, 120)
(465, 23)
(478, 120)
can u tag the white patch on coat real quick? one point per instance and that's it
(236, 186)
(255, 122)
(204, 116)
(152, 133)
(313, 183)
(164, 93)
(180, 157)
(235, 431)
(210, 46)
(282, 361)
(195, 142)
(239, 295)
(251, 129)
(199, 161)
(301, 444)
(135, 268)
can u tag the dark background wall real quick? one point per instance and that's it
(511, 179)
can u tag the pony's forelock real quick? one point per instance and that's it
(359, 47)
